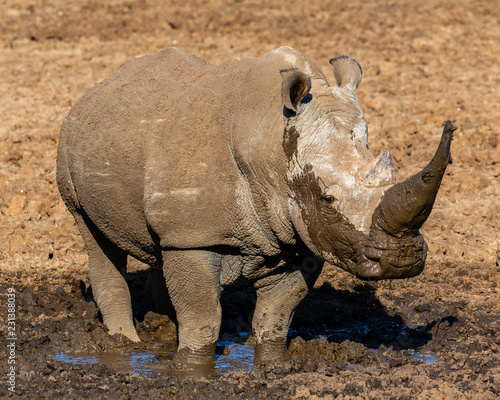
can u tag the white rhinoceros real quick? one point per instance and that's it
(258, 168)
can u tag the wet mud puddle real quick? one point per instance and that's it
(151, 363)
(147, 363)
(427, 357)
(235, 357)
(235, 353)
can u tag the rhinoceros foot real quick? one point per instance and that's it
(199, 361)
(271, 353)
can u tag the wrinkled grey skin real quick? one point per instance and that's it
(258, 168)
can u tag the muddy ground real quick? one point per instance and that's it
(435, 336)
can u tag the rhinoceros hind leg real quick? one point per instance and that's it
(107, 265)
(276, 302)
(192, 279)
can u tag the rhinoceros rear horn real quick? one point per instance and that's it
(406, 205)
(295, 86)
(347, 71)
(381, 171)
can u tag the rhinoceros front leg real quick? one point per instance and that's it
(107, 265)
(277, 298)
(192, 280)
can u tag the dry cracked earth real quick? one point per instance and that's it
(435, 336)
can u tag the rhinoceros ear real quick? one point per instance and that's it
(295, 86)
(347, 71)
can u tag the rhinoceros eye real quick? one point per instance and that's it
(331, 195)
(329, 199)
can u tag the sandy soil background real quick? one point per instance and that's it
(423, 63)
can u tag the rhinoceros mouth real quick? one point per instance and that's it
(368, 269)
(385, 256)
(382, 269)
(405, 262)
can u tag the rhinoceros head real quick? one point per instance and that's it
(346, 204)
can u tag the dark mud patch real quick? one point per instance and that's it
(344, 344)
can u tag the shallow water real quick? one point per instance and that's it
(240, 357)
(235, 357)
(426, 356)
(150, 363)
(146, 363)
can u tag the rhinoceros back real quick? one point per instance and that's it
(145, 155)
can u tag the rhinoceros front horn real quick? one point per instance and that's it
(406, 205)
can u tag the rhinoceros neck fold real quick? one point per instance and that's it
(406, 206)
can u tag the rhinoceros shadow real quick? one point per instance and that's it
(356, 315)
